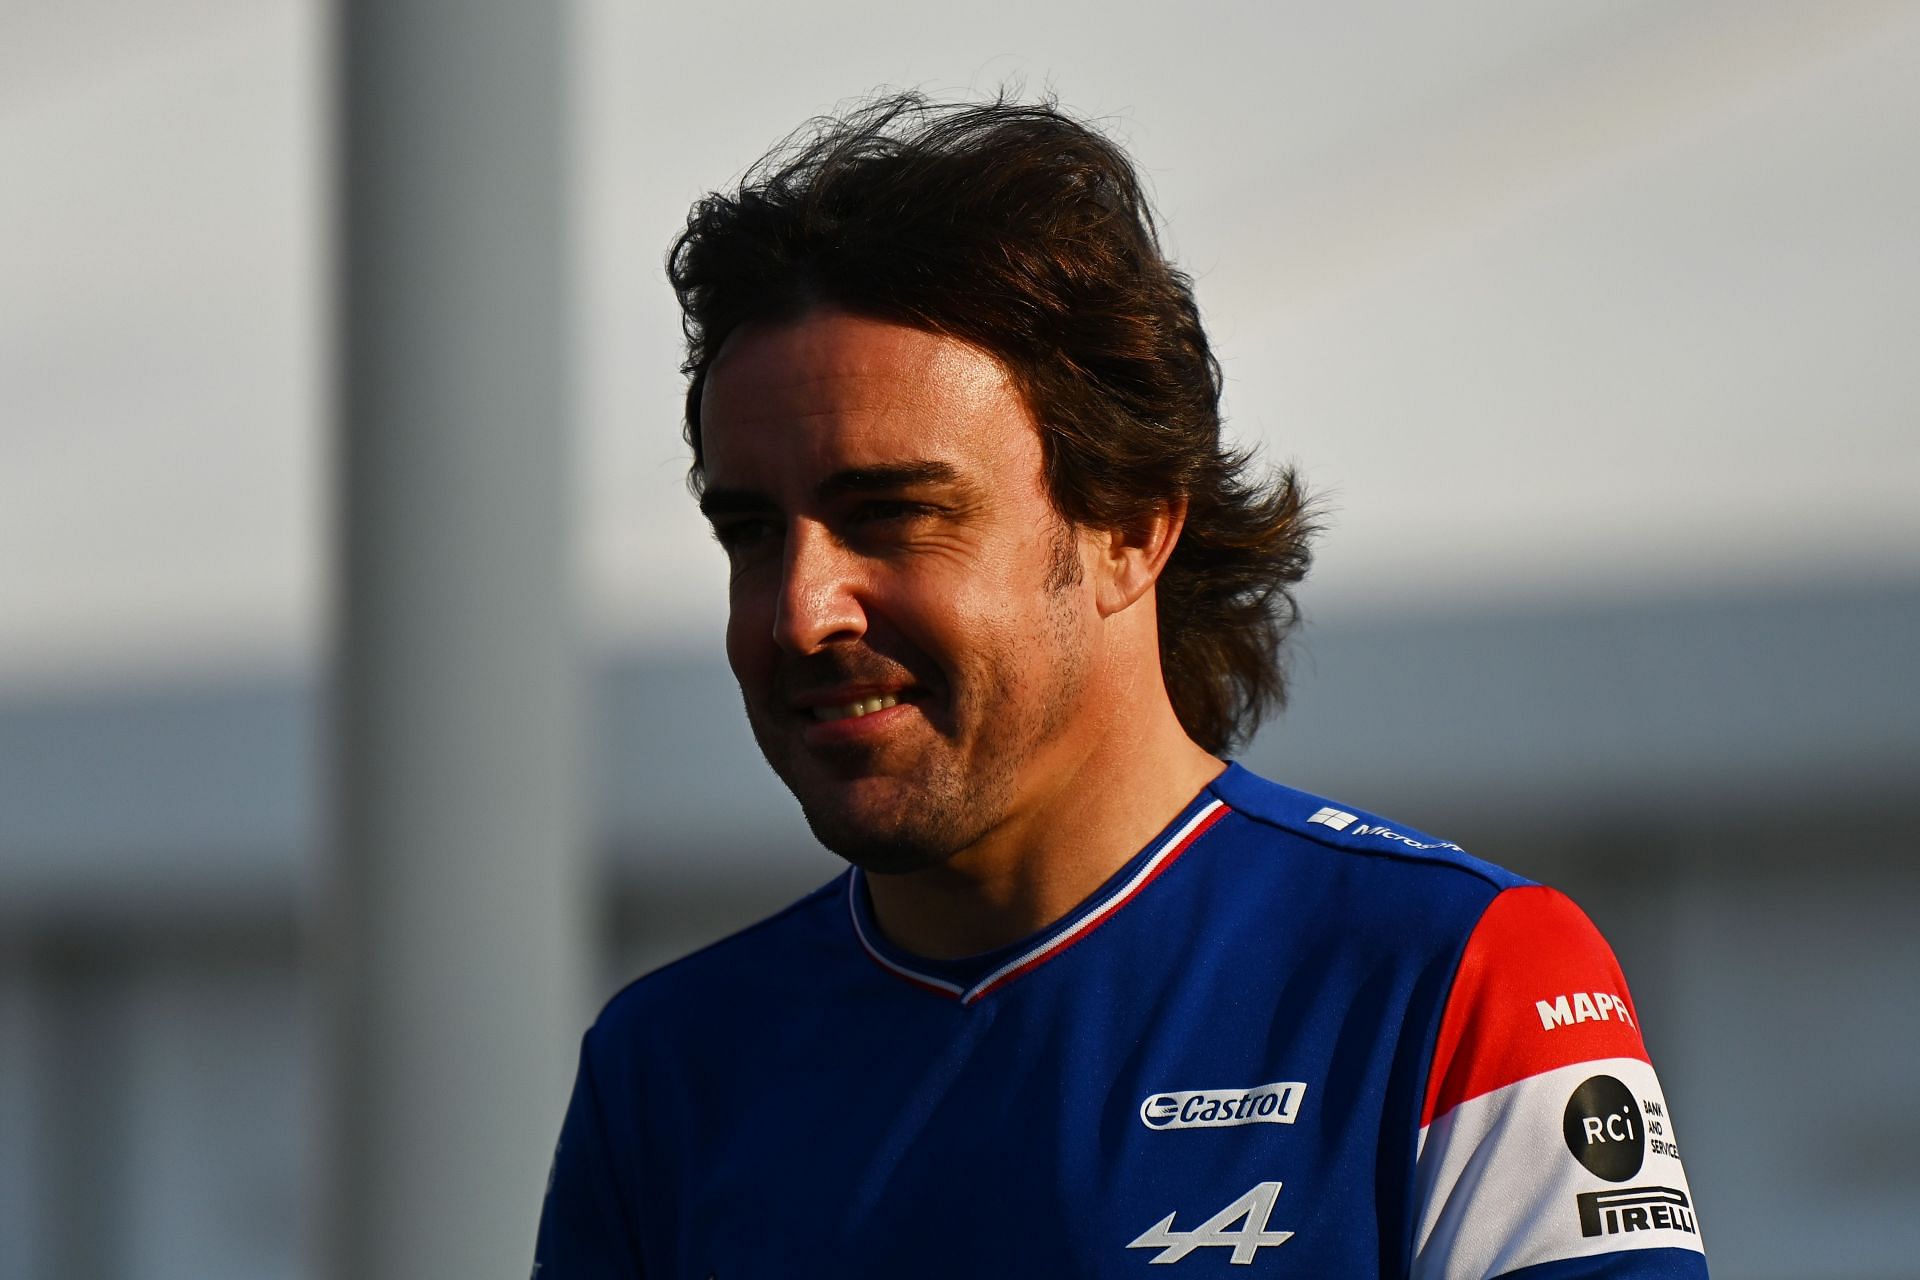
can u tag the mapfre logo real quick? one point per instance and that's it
(1277, 1103)
(1582, 1006)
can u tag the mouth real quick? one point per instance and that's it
(851, 714)
(857, 708)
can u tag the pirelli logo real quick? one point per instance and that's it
(1629, 1209)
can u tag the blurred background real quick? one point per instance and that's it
(1592, 322)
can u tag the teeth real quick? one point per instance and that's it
(847, 711)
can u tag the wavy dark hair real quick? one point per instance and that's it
(1024, 232)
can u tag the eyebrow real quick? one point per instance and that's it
(715, 503)
(905, 475)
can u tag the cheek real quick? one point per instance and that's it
(1051, 632)
(1013, 631)
(749, 637)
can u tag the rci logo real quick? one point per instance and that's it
(1602, 1128)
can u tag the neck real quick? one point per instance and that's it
(1054, 848)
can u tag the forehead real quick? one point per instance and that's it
(834, 390)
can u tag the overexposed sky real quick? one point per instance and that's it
(1545, 298)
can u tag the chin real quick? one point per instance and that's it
(883, 848)
(908, 813)
(887, 827)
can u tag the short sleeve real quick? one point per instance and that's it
(1546, 1146)
(584, 1232)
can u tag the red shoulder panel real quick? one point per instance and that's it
(1537, 988)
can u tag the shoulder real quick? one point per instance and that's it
(1289, 874)
(1530, 963)
(1347, 828)
(1502, 920)
(1537, 988)
(735, 972)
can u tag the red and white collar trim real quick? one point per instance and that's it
(1053, 943)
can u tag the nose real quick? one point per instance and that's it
(819, 601)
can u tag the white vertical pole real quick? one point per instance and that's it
(455, 948)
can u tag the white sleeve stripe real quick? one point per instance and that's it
(1498, 1185)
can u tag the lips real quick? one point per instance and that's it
(856, 708)
(852, 701)
(847, 696)
(861, 714)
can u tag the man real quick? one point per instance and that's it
(1090, 1000)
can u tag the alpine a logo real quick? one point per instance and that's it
(1276, 1103)
(1241, 1227)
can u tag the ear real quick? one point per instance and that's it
(1129, 559)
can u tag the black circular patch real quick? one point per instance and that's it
(1603, 1129)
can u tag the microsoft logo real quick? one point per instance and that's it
(1338, 819)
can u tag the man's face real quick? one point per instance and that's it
(880, 495)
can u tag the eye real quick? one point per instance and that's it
(743, 534)
(882, 510)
